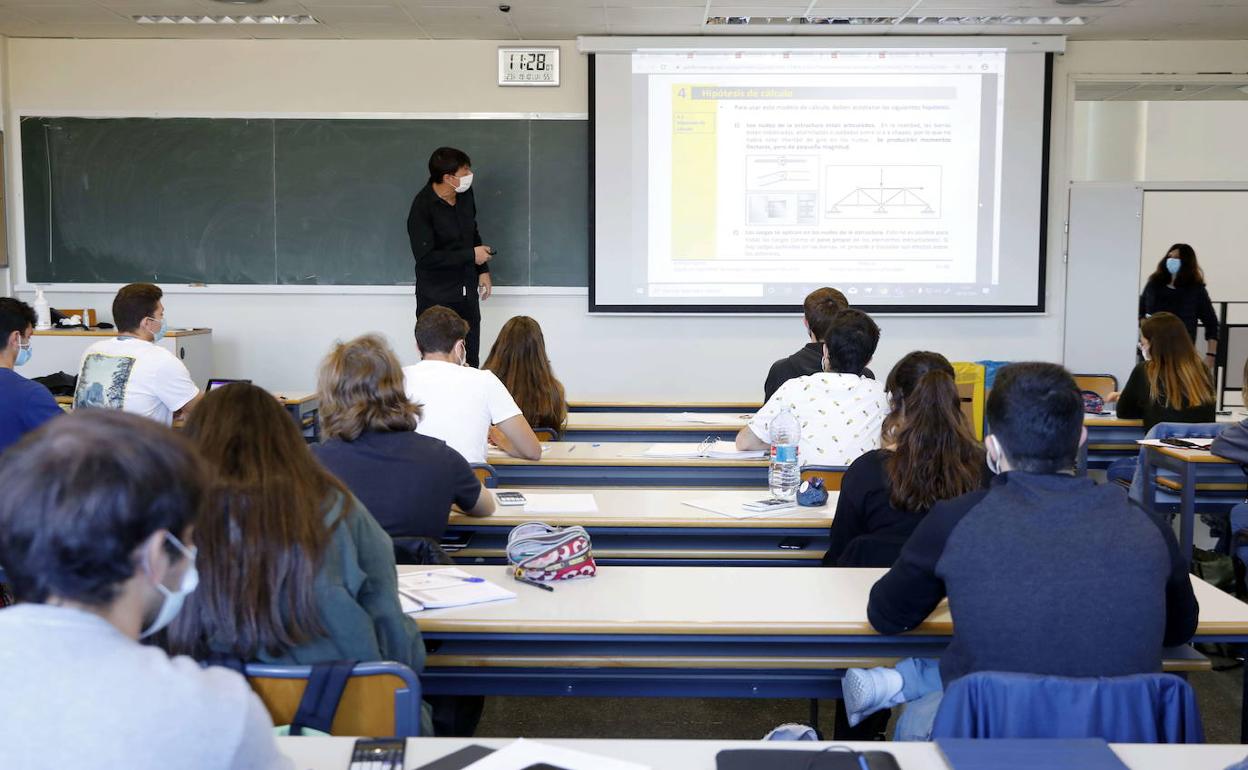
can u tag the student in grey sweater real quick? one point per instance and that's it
(1046, 573)
(96, 528)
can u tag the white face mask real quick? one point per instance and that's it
(992, 454)
(171, 605)
(463, 355)
(465, 182)
(1143, 346)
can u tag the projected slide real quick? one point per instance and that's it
(755, 176)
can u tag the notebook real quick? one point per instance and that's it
(719, 450)
(1029, 754)
(729, 504)
(433, 589)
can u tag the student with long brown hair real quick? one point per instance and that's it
(928, 454)
(518, 358)
(407, 481)
(293, 569)
(1172, 384)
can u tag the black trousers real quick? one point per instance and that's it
(469, 309)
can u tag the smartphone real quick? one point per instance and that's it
(509, 498)
(770, 504)
(794, 543)
(1180, 443)
(378, 754)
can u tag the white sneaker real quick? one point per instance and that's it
(867, 690)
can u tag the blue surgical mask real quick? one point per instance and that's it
(24, 353)
(1173, 264)
(164, 327)
(171, 605)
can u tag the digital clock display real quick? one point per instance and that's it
(528, 66)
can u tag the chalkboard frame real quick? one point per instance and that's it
(18, 257)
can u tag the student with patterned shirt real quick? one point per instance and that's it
(839, 410)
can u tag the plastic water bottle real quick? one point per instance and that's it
(784, 476)
(43, 311)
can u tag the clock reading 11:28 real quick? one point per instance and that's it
(528, 66)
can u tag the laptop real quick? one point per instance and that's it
(215, 383)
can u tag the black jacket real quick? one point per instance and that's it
(808, 360)
(1189, 303)
(443, 240)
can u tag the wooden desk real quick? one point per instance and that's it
(580, 463)
(318, 753)
(768, 632)
(642, 526)
(664, 406)
(305, 409)
(1219, 482)
(62, 350)
(652, 426)
(1110, 439)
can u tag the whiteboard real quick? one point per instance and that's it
(1214, 222)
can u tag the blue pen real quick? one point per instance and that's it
(469, 579)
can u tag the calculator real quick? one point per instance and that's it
(378, 754)
(509, 498)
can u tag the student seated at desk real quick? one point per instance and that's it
(131, 373)
(518, 357)
(97, 529)
(461, 405)
(928, 454)
(817, 310)
(840, 411)
(1172, 384)
(1046, 572)
(293, 569)
(24, 405)
(406, 480)
(1232, 442)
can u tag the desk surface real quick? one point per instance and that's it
(707, 422)
(652, 507)
(113, 332)
(317, 753)
(1191, 455)
(1109, 421)
(721, 600)
(671, 406)
(623, 453)
(294, 397)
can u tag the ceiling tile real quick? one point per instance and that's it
(69, 14)
(359, 14)
(655, 17)
(407, 31)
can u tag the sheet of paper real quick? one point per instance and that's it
(446, 587)
(672, 451)
(695, 418)
(523, 753)
(1201, 443)
(552, 504)
(727, 450)
(729, 504)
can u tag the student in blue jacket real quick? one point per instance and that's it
(1046, 572)
(24, 405)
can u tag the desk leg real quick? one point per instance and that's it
(1187, 510)
(1149, 469)
(1243, 700)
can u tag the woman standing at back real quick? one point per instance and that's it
(292, 568)
(928, 454)
(519, 359)
(1178, 286)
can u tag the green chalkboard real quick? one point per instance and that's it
(290, 201)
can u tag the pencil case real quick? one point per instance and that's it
(537, 551)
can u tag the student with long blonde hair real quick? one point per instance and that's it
(519, 359)
(1172, 384)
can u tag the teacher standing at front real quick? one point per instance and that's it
(452, 264)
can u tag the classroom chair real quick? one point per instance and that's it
(379, 699)
(831, 475)
(1140, 708)
(486, 474)
(546, 434)
(1100, 384)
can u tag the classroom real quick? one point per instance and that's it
(623, 384)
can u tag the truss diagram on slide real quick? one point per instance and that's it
(882, 192)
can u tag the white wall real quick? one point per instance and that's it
(277, 340)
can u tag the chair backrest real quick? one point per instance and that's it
(546, 434)
(832, 475)
(1140, 708)
(381, 699)
(1100, 384)
(486, 474)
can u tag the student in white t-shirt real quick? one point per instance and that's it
(461, 405)
(840, 411)
(130, 372)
